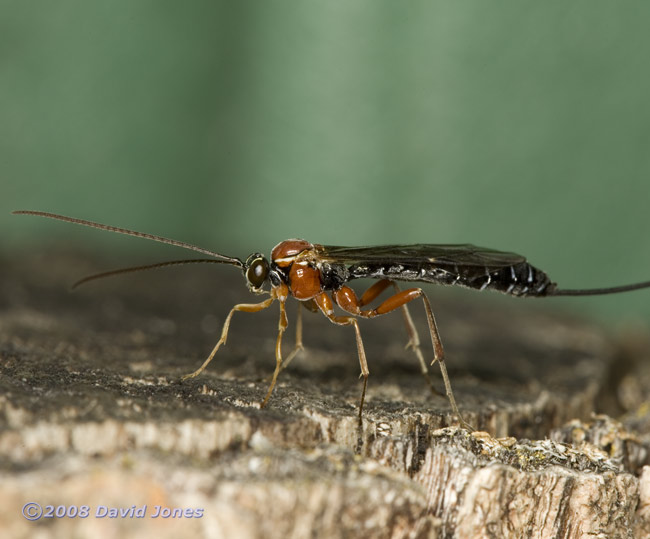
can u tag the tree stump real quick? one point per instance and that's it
(94, 416)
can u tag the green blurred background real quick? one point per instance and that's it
(515, 125)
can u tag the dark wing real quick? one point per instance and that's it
(421, 253)
(457, 264)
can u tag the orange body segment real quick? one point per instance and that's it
(346, 298)
(304, 281)
(397, 300)
(285, 252)
(374, 291)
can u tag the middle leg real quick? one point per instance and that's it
(324, 303)
(346, 298)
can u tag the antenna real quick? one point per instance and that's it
(144, 235)
(145, 267)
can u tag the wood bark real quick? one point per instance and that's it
(93, 414)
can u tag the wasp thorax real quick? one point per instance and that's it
(285, 253)
(304, 281)
(256, 270)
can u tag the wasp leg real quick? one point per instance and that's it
(282, 325)
(243, 307)
(414, 339)
(346, 298)
(298, 347)
(326, 306)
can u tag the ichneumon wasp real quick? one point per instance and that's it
(317, 276)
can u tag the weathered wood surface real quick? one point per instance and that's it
(92, 413)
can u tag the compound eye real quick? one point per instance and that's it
(257, 272)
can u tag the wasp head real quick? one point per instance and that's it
(256, 271)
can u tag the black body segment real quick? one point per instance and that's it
(461, 264)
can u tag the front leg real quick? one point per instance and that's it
(243, 307)
(282, 326)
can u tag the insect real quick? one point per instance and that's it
(317, 276)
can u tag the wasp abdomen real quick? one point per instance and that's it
(516, 280)
(520, 279)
